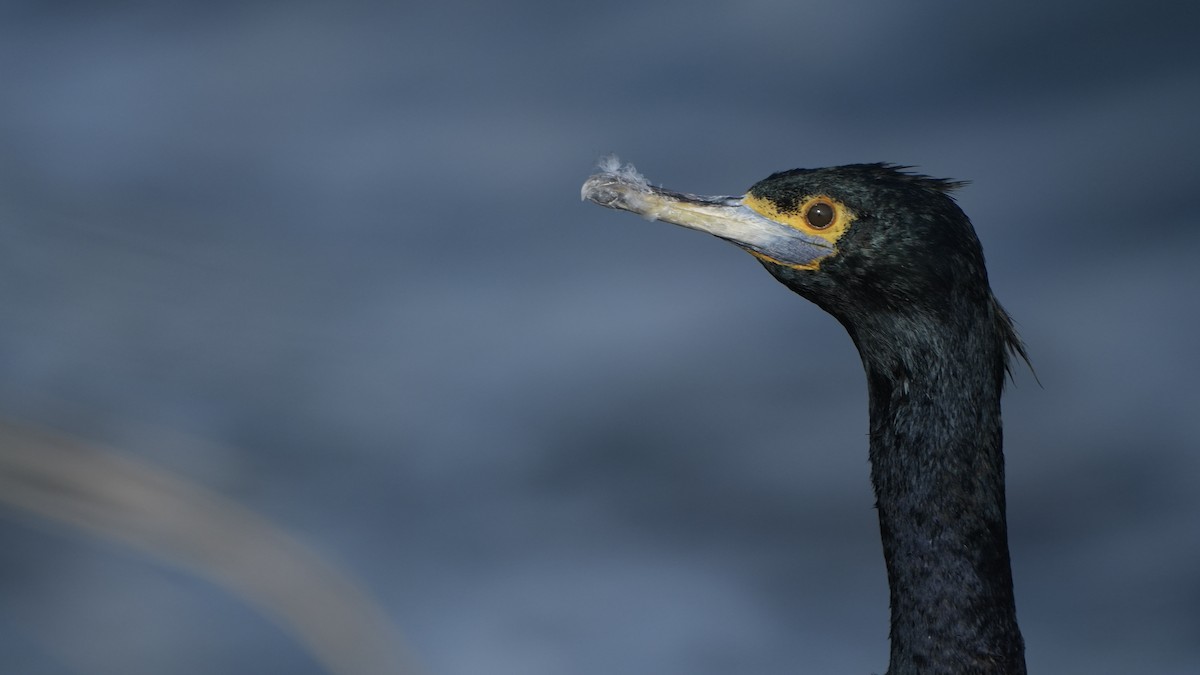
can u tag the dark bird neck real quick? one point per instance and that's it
(892, 257)
(938, 471)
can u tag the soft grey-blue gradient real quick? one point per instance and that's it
(330, 261)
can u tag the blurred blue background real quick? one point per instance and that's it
(329, 262)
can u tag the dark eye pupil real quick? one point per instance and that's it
(819, 215)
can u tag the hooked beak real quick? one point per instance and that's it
(622, 187)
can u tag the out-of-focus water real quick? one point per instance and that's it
(329, 263)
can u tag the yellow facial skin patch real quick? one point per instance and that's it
(798, 219)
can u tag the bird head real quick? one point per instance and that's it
(857, 240)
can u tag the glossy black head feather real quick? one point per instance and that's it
(911, 256)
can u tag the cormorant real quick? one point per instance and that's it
(894, 259)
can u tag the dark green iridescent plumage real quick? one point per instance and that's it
(910, 286)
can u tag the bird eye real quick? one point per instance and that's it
(819, 215)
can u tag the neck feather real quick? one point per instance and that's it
(938, 471)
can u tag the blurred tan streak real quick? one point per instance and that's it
(115, 497)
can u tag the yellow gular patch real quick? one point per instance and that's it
(819, 216)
